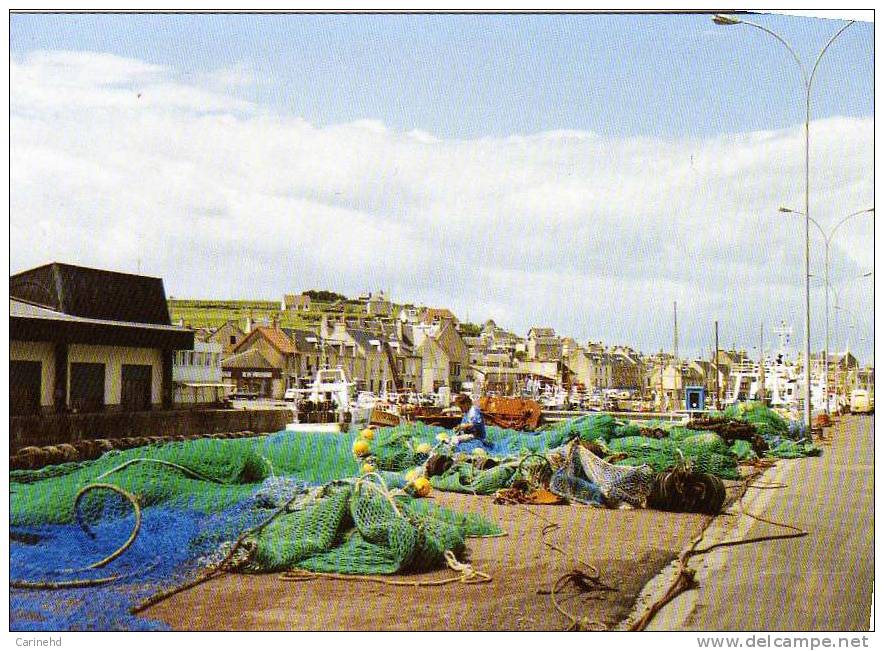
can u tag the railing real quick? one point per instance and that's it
(552, 416)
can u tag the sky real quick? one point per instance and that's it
(579, 172)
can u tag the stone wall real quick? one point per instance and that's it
(55, 429)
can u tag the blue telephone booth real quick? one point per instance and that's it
(695, 398)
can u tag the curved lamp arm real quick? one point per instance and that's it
(838, 225)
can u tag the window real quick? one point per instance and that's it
(233, 340)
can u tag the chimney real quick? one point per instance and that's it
(249, 326)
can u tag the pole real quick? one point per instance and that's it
(808, 84)
(761, 393)
(827, 330)
(675, 327)
(717, 389)
(807, 406)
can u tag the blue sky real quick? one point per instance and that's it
(495, 75)
(581, 172)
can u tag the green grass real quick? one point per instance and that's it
(212, 313)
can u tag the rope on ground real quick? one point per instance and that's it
(135, 529)
(586, 582)
(766, 485)
(63, 585)
(188, 471)
(685, 577)
(225, 563)
(83, 583)
(553, 526)
(466, 575)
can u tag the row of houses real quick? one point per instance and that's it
(377, 355)
(376, 304)
(86, 340)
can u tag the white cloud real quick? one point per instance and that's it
(593, 235)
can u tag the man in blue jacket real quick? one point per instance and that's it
(472, 425)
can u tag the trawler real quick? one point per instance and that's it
(782, 379)
(326, 405)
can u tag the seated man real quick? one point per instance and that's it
(472, 425)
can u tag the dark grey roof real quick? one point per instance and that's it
(29, 322)
(363, 337)
(24, 310)
(93, 293)
(300, 338)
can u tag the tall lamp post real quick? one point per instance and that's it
(827, 240)
(837, 294)
(720, 19)
(853, 322)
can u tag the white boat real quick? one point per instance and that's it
(553, 397)
(783, 380)
(329, 406)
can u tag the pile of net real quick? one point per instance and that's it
(785, 438)
(194, 499)
(360, 528)
(588, 479)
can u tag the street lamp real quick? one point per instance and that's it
(838, 309)
(852, 326)
(721, 19)
(827, 240)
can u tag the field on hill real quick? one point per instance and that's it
(212, 313)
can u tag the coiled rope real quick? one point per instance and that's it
(685, 577)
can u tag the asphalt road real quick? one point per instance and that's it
(821, 582)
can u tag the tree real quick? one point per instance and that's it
(470, 329)
(324, 295)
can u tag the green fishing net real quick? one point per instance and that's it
(360, 529)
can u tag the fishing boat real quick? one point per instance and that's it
(326, 405)
(780, 378)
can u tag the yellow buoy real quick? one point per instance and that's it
(412, 475)
(423, 448)
(360, 447)
(421, 486)
(367, 468)
(367, 434)
(442, 437)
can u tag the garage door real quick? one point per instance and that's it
(87, 387)
(24, 387)
(135, 389)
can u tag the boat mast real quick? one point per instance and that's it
(761, 393)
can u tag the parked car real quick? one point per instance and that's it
(860, 402)
(244, 395)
